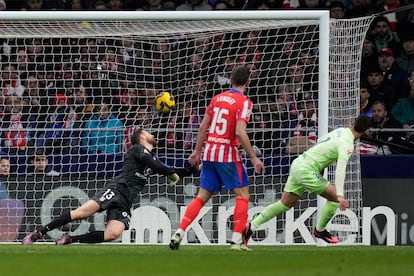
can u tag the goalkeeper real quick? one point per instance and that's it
(306, 174)
(117, 197)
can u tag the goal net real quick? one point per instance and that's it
(74, 88)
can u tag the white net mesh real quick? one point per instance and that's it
(60, 80)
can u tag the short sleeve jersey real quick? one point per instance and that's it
(334, 146)
(222, 144)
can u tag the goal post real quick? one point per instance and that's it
(66, 68)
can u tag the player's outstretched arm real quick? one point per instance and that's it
(184, 172)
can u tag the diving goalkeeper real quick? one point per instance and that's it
(306, 174)
(117, 197)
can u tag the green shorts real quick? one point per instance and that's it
(302, 177)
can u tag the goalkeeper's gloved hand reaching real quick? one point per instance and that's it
(172, 179)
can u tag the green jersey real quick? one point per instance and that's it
(336, 146)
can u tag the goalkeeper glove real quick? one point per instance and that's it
(172, 179)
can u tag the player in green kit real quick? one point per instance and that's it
(306, 175)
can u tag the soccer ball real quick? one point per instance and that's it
(164, 102)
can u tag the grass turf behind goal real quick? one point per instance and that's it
(204, 260)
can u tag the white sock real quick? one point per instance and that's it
(237, 238)
(180, 232)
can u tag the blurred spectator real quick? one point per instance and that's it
(384, 36)
(194, 5)
(250, 52)
(103, 133)
(303, 87)
(337, 10)
(221, 5)
(34, 5)
(4, 174)
(365, 100)
(22, 61)
(403, 111)
(310, 4)
(406, 59)
(59, 136)
(114, 5)
(10, 81)
(222, 76)
(381, 119)
(369, 55)
(375, 78)
(130, 59)
(169, 5)
(183, 125)
(153, 5)
(16, 126)
(394, 79)
(307, 120)
(387, 6)
(286, 106)
(82, 104)
(76, 5)
(127, 105)
(358, 8)
(35, 100)
(4, 165)
(197, 95)
(3, 6)
(100, 5)
(40, 164)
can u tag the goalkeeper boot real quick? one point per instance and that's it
(64, 239)
(247, 233)
(325, 235)
(32, 237)
(175, 241)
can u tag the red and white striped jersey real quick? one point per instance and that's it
(222, 144)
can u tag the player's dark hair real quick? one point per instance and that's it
(362, 123)
(135, 136)
(240, 75)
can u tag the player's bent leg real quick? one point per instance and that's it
(240, 214)
(113, 230)
(86, 210)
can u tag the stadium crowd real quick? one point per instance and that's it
(86, 95)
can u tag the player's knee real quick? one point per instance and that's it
(112, 235)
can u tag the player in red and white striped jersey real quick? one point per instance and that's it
(222, 132)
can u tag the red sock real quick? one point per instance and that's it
(191, 212)
(240, 214)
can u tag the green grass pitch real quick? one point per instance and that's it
(114, 260)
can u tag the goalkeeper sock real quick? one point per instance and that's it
(240, 214)
(60, 221)
(191, 213)
(268, 213)
(327, 212)
(91, 237)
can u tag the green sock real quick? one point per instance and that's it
(268, 213)
(327, 212)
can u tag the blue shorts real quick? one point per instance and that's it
(214, 175)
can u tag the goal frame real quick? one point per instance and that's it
(322, 16)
